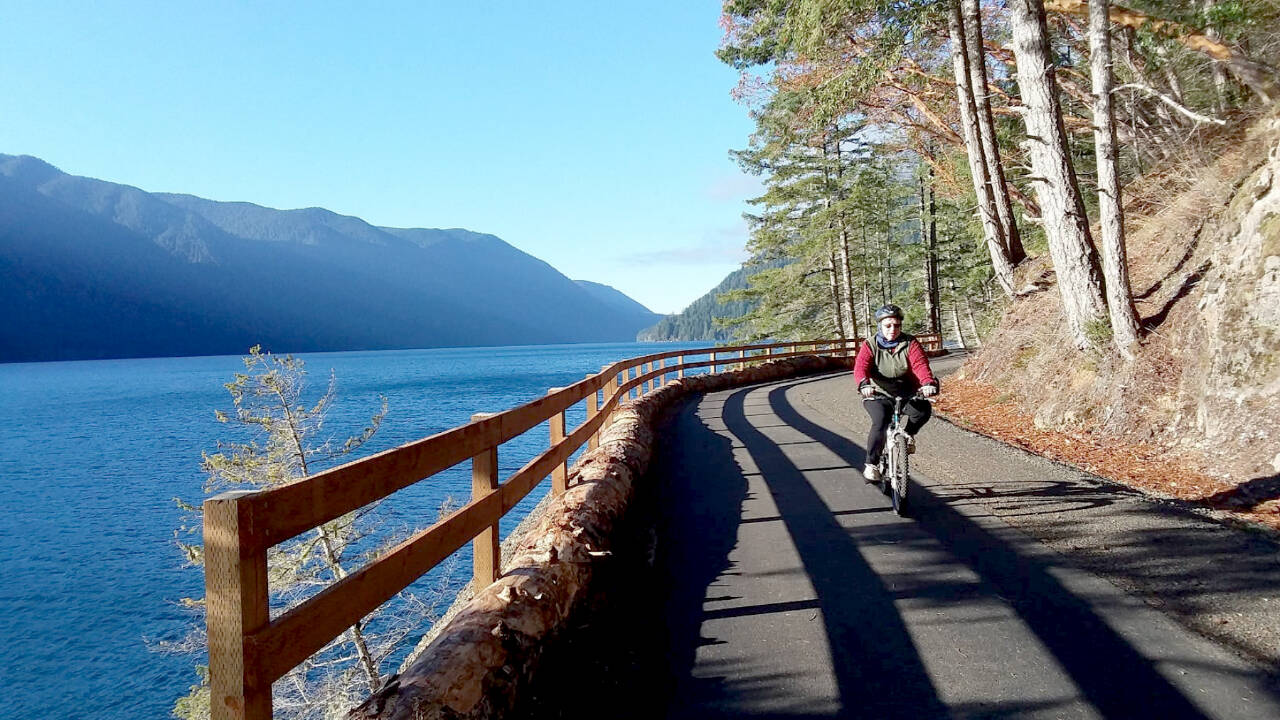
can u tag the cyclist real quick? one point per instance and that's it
(892, 364)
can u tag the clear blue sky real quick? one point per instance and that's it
(592, 135)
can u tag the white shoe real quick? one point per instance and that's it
(871, 473)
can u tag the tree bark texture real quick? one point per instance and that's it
(977, 61)
(1221, 89)
(846, 276)
(973, 323)
(1065, 223)
(1115, 267)
(929, 238)
(868, 313)
(955, 315)
(837, 302)
(888, 267)
(997, 245)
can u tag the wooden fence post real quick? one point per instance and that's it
(560, 475)
(713, 362)
(484, 480)
(662, 365)
(680, 362)
(236, 595)
(742, 354)
(593, 409)
(606, 395)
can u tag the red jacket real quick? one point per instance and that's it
(917, 364)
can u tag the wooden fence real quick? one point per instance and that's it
(248, 650)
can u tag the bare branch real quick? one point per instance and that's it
(1195, 116)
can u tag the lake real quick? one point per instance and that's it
(92, 455)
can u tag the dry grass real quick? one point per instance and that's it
(1149, 467)
(1135, 423)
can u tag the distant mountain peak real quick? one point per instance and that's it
(28, 169)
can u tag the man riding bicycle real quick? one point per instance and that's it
(892, 364)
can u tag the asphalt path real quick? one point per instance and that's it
(786, 587)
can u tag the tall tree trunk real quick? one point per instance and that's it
(846, 278)
(1222, 90)
(993, 233)
(837, 299)
(973, 325)
(929, 239)
(888, 265)
(936, 282)
(1115, 268)
(1166, 66)
(1065, 223)
(977, 61)
(1127, 37)
(955, 315)
(869, 316)
(846, 275)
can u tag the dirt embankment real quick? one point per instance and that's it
(1196, 415)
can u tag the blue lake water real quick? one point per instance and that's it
(92, 455)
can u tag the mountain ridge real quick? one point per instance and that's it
(94, 269)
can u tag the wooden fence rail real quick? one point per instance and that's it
(248, 650)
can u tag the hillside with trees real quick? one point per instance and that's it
(1082, 188)
(713, 316)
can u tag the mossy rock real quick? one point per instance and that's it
(1269, 229)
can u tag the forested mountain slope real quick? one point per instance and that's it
(92, 269)
(698, 321)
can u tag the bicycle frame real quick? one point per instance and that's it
(895, 474)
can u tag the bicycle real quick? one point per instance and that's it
(895, 475)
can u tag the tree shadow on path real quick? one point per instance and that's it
(877, 669)
(1116, 679)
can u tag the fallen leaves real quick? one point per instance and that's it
(978, 407)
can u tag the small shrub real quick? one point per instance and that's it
(1024, 357)
(1098, 332)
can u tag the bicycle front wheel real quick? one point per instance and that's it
(900, 477)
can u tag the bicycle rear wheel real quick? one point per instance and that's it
(900, 476)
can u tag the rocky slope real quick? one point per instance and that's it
(1196, 415)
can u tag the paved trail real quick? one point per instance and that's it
(789, 589)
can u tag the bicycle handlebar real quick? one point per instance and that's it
(927, 398)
